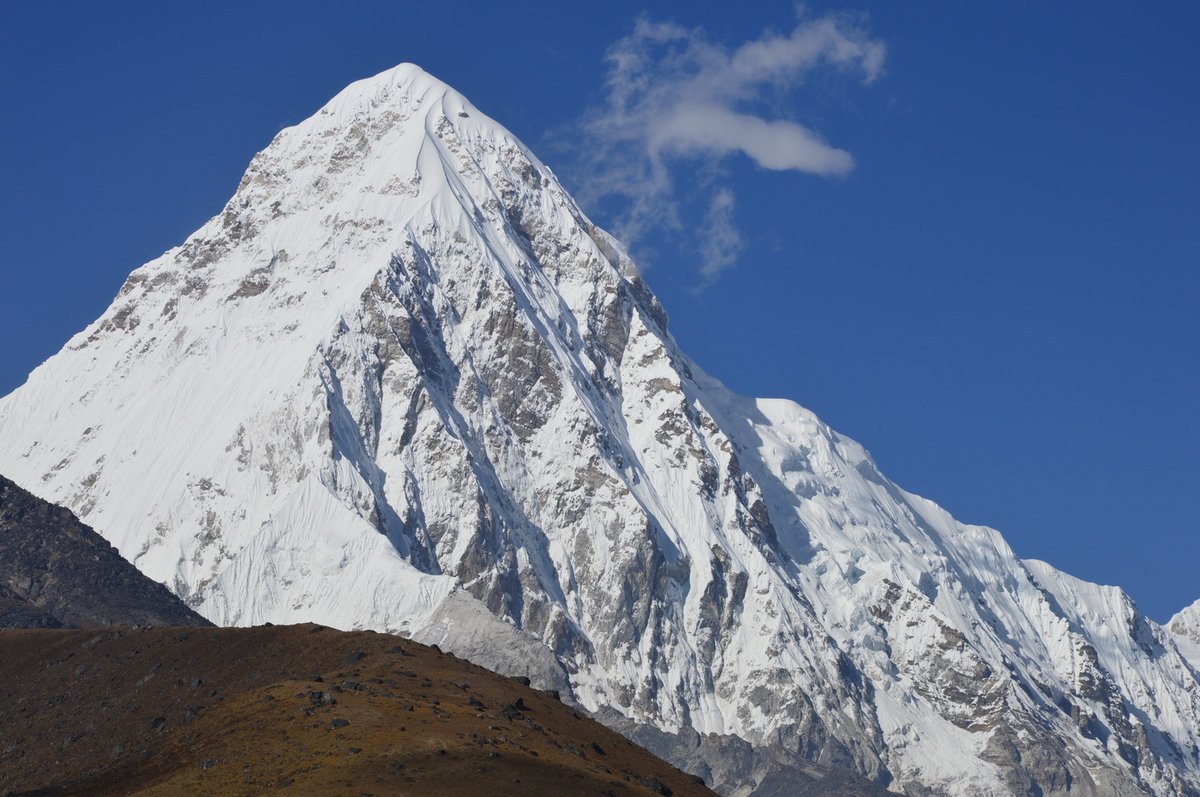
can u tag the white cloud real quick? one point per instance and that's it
(721, 242)
(779, 145)
(674, 97)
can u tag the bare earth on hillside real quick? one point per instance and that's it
(291, 709)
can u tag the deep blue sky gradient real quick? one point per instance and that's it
(1001, 302)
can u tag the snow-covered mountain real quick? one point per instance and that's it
(401, 382)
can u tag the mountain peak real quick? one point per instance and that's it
(405, 88)
(406, 77)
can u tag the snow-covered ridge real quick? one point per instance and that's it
(1186, 627)
(402, 382)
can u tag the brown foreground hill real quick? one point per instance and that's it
(292, 710)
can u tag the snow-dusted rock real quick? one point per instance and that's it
(401, 372)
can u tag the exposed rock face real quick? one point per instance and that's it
(465, 626)
(16, 612)
(736, 768)
(401, 370)
(55, 571)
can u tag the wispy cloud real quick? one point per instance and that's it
(674, 97)
(721, 243)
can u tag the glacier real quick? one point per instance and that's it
(401, 382)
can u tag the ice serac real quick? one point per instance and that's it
(402, 382)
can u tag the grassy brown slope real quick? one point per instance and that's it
(294, 710)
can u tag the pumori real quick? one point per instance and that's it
(401, 382)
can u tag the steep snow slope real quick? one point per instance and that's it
(401, 376)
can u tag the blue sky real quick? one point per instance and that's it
(999, 299)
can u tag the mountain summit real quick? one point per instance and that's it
(401, 382)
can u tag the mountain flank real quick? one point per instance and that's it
(55, 571)
(120, 711)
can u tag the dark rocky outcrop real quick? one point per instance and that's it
(16, 612)
(55, 571)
